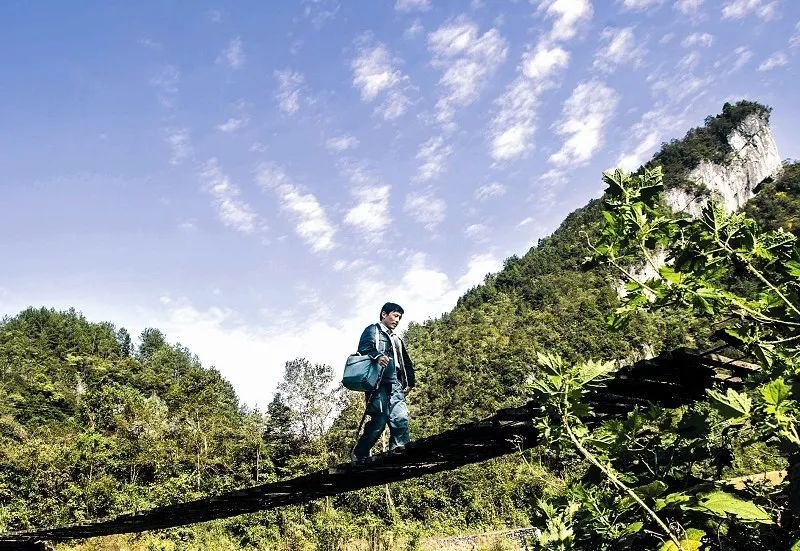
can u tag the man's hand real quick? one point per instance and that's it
(383, 360)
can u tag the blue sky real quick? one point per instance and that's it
(256, 179)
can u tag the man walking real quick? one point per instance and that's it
(388, 403)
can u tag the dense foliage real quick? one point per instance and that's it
(92, 426)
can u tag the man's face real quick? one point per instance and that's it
(391, 319)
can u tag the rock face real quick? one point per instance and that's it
(755, 157)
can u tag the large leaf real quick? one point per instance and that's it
(776, 392)
(691, 541)
(722, 504)
(732, 405)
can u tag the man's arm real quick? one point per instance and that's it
(409, 365)
(366, 344)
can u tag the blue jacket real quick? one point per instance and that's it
(366, 345)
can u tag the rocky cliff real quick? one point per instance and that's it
(754, 158)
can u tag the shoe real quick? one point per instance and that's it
(356, 460)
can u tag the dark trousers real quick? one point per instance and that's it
(388, 406)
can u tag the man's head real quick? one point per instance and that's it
(391, 314)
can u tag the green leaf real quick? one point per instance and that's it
(691, 541)
(632, 528)
(591, 370)
(722, 504)
(668, 273)
(776, 392)
(733, 405)
(676, 498)
(796, 546)
(793, 267)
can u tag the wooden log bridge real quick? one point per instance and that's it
(670, 380)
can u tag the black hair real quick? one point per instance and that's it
(390, 307)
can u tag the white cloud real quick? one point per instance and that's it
(512, 129)
(621, 48)
(688, 7)
(778, 59)
(741, 56)
(569, 15)
(233, 55)
(513, 126)
(467, 60)
(477, 232)
(794, 40)
(414, 30)
(689, 61)
(180, 144)
(432, 156)
(426, 208)
(166, 84)
(639, 4)
(289, 88)
(585, 116)
(371, 213)
(511, 135)
(150, 43)
(654, 127)
(737, 9)
(412, 5)
(341, 143)
(233, 212)
(374, 73)
(544, 61)
(490, 190)
(311, 221)
(698, 39)
(233, 124)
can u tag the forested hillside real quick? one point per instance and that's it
(92, 426)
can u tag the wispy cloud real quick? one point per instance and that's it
(150, 43)
(639, 4)
(467, 60)
(511, 134)
(489, 191)
(621, 48)
(778, 59)
(513, 126)
(432, 156)
(233, 124)
(233, 54)
(234, 212)
(341, 143)
(414, 30)
(477, 232)
(166, 84)
(371, 212)
(585, 116)
(426, 209)
(689, 7)
(698, 39)
(737, 9)
(568, 16)
(310, 220)
(652, 128)
(375, 74)
(412, 5)
(741, 57)
(180, 144)
(289, 90)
